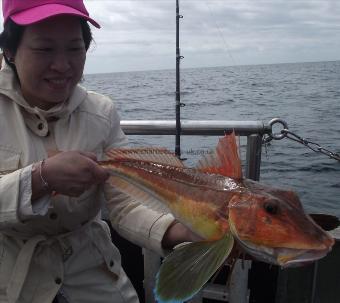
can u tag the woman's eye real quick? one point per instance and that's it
(43, 49)
(76, 49)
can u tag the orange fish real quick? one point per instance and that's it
(221, 206)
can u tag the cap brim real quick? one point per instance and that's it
(40, 13)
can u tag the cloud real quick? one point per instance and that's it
(140, 34)
(217, 32)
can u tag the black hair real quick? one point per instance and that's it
(87, 33)
(10, 38)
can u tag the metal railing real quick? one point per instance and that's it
(194, 127)
(254, 130)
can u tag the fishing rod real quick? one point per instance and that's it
(178, 87)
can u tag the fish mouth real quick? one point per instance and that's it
(281, 256)
(284, 257)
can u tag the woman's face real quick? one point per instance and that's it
(50, 60)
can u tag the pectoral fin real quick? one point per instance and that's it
(189, 267)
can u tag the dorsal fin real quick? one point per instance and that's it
(224, 160)
(155, 155)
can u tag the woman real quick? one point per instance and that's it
(56, 247)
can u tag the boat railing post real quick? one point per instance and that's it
(314, 282)
(152, 262)
(238, 289)
(253, 157)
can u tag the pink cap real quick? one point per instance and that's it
(25, 12)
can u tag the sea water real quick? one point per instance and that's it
(305, 95)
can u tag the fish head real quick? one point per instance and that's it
(272, 226)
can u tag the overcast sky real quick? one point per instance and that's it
(140, 34)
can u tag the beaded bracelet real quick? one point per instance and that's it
(43, 181)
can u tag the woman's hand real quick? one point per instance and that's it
(68, 173)
(178, 233)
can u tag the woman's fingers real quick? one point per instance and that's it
(71, 173)
(90, 155)
(100, 174)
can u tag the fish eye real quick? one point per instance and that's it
(271, 208)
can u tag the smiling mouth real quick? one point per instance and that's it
(58, 83)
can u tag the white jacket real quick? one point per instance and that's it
(65, 246)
